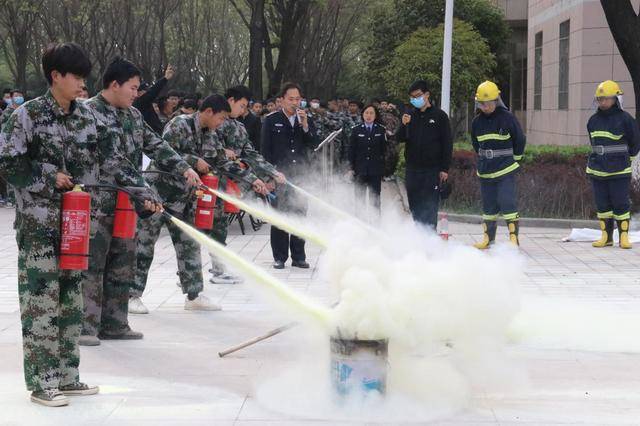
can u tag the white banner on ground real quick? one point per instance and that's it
(590, 235)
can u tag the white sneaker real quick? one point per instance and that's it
(201, 303)
(224, 278)
(136, 306)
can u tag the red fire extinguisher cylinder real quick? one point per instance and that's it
(74, 230)
(206, 203)
(234, 190)
(125, 218)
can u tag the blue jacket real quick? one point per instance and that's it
(498, 131)
(610, 129)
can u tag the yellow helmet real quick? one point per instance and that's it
(607, 89)
(487, 91)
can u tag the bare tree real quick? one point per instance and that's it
(256, 26)
(624, 24)
(18, 17)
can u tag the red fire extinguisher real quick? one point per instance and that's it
(74, 232)
(124, 221)
(234, 190)
(206, 203)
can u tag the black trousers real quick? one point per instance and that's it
(423, 195)
(612, 197)
(288, 201)
(374, 184)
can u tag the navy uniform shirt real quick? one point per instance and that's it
(366, 149)
(612, 128)
(285, 146)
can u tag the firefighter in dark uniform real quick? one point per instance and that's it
(288, 136)
(499, 142)
(615, 141)
(366, 155)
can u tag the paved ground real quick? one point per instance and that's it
(174, 376)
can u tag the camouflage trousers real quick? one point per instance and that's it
(106, 284)
(187, 253)
(50, 311)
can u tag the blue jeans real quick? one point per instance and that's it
(423, 195)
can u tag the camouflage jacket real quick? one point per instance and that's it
(324, 126)
(38, 141)
(6, 114)
(135, 137)
(234, 136)
(185, 135)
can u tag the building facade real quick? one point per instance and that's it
(568, 50)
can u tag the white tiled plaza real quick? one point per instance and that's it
(175, 377)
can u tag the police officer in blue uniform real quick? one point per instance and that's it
(499, 142)
(288, 137)
(615, 141)
(366, 155)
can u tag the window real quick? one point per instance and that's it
(563, 67)
(537, 73)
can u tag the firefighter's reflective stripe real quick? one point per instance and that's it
(598, 173)
(499, 173)
(490, 217)
(623, 216)
(605, 215)
(511, 216)
(604, 134)
(494, 136)
(518, 157)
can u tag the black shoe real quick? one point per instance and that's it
(300, 264)
(278, 264)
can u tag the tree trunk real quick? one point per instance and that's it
(256, 41)
(625, 28)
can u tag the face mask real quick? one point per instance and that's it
(303, 104)
(314, 105)
(8, 101)
(18, 100)
(417, 102)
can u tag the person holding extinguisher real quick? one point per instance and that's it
(238, 147)
(112, 270)
(48, 146)
(192, 136)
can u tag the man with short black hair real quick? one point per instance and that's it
(193, 137)
(429, 147)
(147, 96)
(112, 269)
(47, 146)
(288, 136)
(235, 139)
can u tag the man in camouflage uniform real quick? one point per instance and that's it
(112, 270)
(193, 137)
(318, 112)
(48, 145)
(234, 138)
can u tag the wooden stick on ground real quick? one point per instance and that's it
(257, 339)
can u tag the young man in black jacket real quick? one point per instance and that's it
(146, 97)
(429, 147)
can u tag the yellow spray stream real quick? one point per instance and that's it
(284, 293)
(271, 217)
(336, 211)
